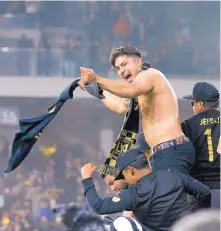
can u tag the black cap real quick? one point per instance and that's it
(128, 158)
(141, 142)
(205, 92)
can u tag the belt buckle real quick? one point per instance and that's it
(167, 144)
(160, 147)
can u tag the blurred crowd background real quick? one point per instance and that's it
(83, 131)
(45, 38)
(54, 38)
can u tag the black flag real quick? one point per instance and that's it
(32, 128)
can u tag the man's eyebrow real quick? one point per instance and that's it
(110, 182)
(121, 64)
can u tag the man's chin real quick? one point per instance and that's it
(116, 192)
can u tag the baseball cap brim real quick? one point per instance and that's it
(190, 97)
(119, 176)
(120, 170)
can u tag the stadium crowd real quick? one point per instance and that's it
(161, 30)
(30, 193)
(74, 33)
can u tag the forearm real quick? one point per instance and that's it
(118, 88)
(91, 194)
(114, 103)
(97, 204)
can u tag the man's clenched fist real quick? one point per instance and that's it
(87, 170)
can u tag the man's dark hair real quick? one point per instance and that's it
(211, 105)
(80, 218)
(123, 50)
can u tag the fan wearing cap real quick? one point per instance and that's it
(205, 96)
(157, 198)
(120, 185)
(203, 129)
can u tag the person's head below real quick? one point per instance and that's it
(128, 62)
(133, 165)
(203, 220)
(120, 185)
(79, 218)
(115, 185)
(205, 96)
(125, 224)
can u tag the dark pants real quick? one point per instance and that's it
(179, 157)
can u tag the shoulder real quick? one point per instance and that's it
(166, 175)
(189, 120)
(193, 120)
(151, 76)
(213, 112)
(151, 72)
(163, 172)
(175, 176)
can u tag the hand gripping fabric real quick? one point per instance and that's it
(93, 89)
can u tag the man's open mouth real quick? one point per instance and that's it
(128, 78)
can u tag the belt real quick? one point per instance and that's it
(167, 144)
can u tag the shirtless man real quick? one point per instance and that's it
(157, 104)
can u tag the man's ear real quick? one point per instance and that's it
(201, 104)
(131, 170)
(139, 61)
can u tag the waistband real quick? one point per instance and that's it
(170, 143)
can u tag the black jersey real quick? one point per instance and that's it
(203, 130)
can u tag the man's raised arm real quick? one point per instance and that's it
(125, 201)
(143, 83)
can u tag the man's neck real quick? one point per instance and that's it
(208, 109)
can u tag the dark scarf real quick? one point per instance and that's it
(126, 139)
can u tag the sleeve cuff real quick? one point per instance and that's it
(87, 183)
